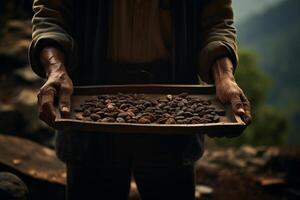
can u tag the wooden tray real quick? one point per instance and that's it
(230, 125)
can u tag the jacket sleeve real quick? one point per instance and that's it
(52, 25)
(218, 36)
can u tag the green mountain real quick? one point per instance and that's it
(243, 9)
(274, 36)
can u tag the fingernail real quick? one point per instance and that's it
(65, 109)
(241, 110)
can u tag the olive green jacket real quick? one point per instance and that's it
(203, 31)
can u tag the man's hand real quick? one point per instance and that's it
(228, 90)
(57, 87)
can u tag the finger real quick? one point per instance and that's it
(237, 105)
(46, 105)
(246, 104)
(65, 99)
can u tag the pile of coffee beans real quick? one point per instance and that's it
(146, 109)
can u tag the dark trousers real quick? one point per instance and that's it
(155, 161)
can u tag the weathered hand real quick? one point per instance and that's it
(57, 87)
(228, 90)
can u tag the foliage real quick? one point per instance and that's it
(269, 125)
(274, 36)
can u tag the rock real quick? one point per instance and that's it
(247, 150)
(12, 187)
(14, 45)
(27, 75)
(31, 159)
(204, 189)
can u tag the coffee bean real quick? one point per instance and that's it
(162, 120)
(180, 104)
(188, 114)
(94, 110)
(171, 121)
(179, 117)
(120, 120)
(169, 97)
(144, 120)
(140, 108)
(147, 104)
(124, 106)
(108, 119)
(86, 113)
(130, 114)
(95, 117)
(111, 106)
(78, 116)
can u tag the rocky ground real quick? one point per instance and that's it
(248, 173)
(26, 144)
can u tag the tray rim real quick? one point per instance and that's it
(59, 121)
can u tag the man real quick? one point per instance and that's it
(132, 41)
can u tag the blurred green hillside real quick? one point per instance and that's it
(274, 36)
(247, 8)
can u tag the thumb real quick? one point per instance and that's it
(65, 100)
(237, 105)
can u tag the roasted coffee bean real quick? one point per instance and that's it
(179, 117)
(171, 121)
(181, 121)
(140, 108)
(147, 104)
(162, 120)
(159, 112)
(188, 114)
(78, 116)
(131, 114)
(120, 120)
(180, 113)
(154, 102)
(124, 105)
(123, 114)
(94, 110)
(100, 113)
(189, 110)
(111, 106)
(95, 117)
(108, 119)
(86, 113)
(144, 120)
(169, 97)
(180, 104)
(150, 109)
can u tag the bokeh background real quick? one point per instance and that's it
(261, 164)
